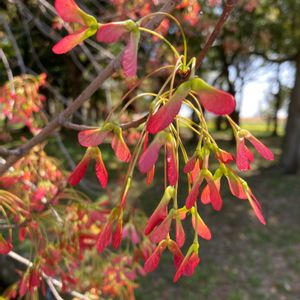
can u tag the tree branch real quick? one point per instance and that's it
(8, 70)
(229, 7)
(14, 43)
(79, 127)
(54, 281)
(135, 123)
(83, 97)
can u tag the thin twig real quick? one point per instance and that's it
(54, 281)
(229, 6)
(8, 70)
(79, 127)
(53, 290)
(14, 43)
(29, 39)
(135, 123)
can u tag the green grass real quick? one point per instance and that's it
(256, 126)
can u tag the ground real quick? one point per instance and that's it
(244, 260)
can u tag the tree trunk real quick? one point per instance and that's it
(275, 116)
(290, 157)
(218, 123)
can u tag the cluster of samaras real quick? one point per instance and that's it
(20, 100)
(164, 123)
(161, 132)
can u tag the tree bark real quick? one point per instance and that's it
(275, 115)
(290, 157)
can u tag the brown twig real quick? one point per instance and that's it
(79, 127)
(229, 7)
(135, 123)
(83, 97)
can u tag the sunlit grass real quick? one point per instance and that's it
(255, 125)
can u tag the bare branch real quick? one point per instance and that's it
(229, 6)
(79, 127)
(14, 43)
(135, 123)
(8, 70)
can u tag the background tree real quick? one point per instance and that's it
(279, 24)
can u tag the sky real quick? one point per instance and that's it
(259, 89)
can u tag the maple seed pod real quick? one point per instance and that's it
(214, 195)
(100, 170)
(172, 160)
(160, 213)
(213, 100)
(202, 229)
(153, 260)
(163, 229)
(189, 263)
(94, 137)
(70, 12)
(255, 206)
(5, 246)
(114, 32)
(166, 114)
(180, 234)
(193, 194)
(119, 146)
(150, 155)
(244, 157)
